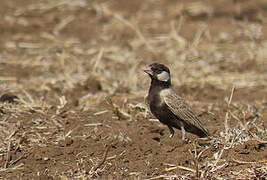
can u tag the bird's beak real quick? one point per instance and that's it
(148, 71)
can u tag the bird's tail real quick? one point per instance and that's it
(203, 133)
(199, 131)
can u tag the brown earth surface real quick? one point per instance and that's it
(72, 88)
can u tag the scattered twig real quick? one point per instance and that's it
(101, 162)
(63, 24)
(100, 112)
(196, 159)
(198, 36)
(62, 103)
(249, 162)
(180, 167)
(226, 130)
(111, 157)
(70, 131)
(8, 78)
(10, 169)
(231, 96)
(8, 154)
(157, 177)
(244, 126)
(93, 124)
(120, 114)
(16, 160)
(98, 59)
(257, 138)
(227, 113)
(13, 133)
(27, 45)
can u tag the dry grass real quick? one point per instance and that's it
(45, 67)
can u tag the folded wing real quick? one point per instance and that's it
(183, 112)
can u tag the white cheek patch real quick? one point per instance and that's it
(163, 76)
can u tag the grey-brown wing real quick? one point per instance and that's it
(182, 110)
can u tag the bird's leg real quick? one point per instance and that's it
(171, 131)
(183, 133)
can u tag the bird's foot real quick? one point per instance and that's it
(171, 131)
(186, 140)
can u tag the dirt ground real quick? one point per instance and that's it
(72, 88)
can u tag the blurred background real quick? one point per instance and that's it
(53, 43)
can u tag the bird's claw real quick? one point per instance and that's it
(171, 131)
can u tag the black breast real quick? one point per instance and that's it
(161, 112)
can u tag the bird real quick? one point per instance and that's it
(168, 107)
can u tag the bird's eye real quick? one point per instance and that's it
(158, 71)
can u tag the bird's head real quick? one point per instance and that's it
(159, 72)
